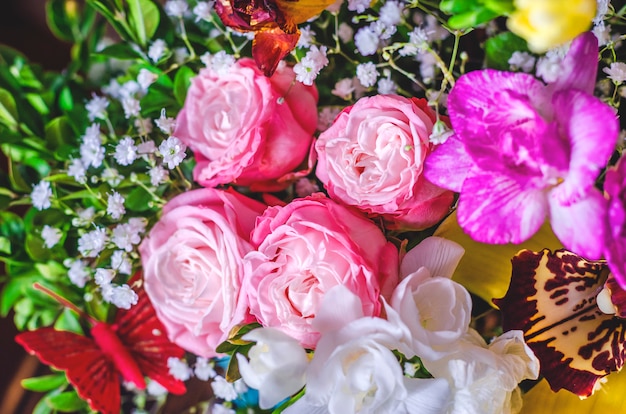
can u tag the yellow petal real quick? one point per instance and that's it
(299, 11)
(609, 399)
(485, 269)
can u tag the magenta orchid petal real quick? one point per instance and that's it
(580, 66)
(592, 129)
(448, 165)
(498, 209)
(580, 226)
(615, 187)
(485, 103)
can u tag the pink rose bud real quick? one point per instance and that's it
(372, 158)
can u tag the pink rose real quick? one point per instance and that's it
(246, 128)
(372, 158)
(192, 265)
(303, 250)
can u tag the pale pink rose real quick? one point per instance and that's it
(372, 158)
(192, 265)
(304, 249)
(246, 128)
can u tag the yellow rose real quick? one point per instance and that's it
(545, 24)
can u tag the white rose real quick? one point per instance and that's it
(276, 367)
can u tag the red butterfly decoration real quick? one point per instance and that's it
(133, 346)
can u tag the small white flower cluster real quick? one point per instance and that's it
(310, 66)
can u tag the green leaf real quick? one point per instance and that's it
(121, 51)
(457, 6)
(44, 383)
(69, 321)
(8, 110)
(38, 103)
(5, 245)
(138, 200)
(11, 293)
(498, 49)
(182, 80)
(66, 402)
(51, 270)
(144, 19)
(472, 18)
(58, 133)
(62, 17)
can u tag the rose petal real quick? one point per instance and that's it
(426, 396)
(497, 209)
(581, 226)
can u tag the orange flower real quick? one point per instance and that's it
(275, 24)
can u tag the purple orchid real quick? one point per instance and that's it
(615, 187)
(523, 151)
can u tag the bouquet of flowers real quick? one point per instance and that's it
(405, 206)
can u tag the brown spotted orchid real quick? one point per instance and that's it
(568, 308)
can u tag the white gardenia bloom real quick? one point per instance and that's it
(50, 236)
(355, 371)
(435, 309)
(276, 367)
(483, 378)
(41, 195)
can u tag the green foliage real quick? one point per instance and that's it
(45, 383)
(498, 49)
(471, 13)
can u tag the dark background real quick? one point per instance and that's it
(23, 27)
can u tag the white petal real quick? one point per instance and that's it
(440, 256)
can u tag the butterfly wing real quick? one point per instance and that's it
(90, 372)
(143, 334)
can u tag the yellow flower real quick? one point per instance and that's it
(549, 23)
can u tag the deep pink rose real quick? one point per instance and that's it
(372, 158)
(192, 266)
(246, 128)
(304, 249)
